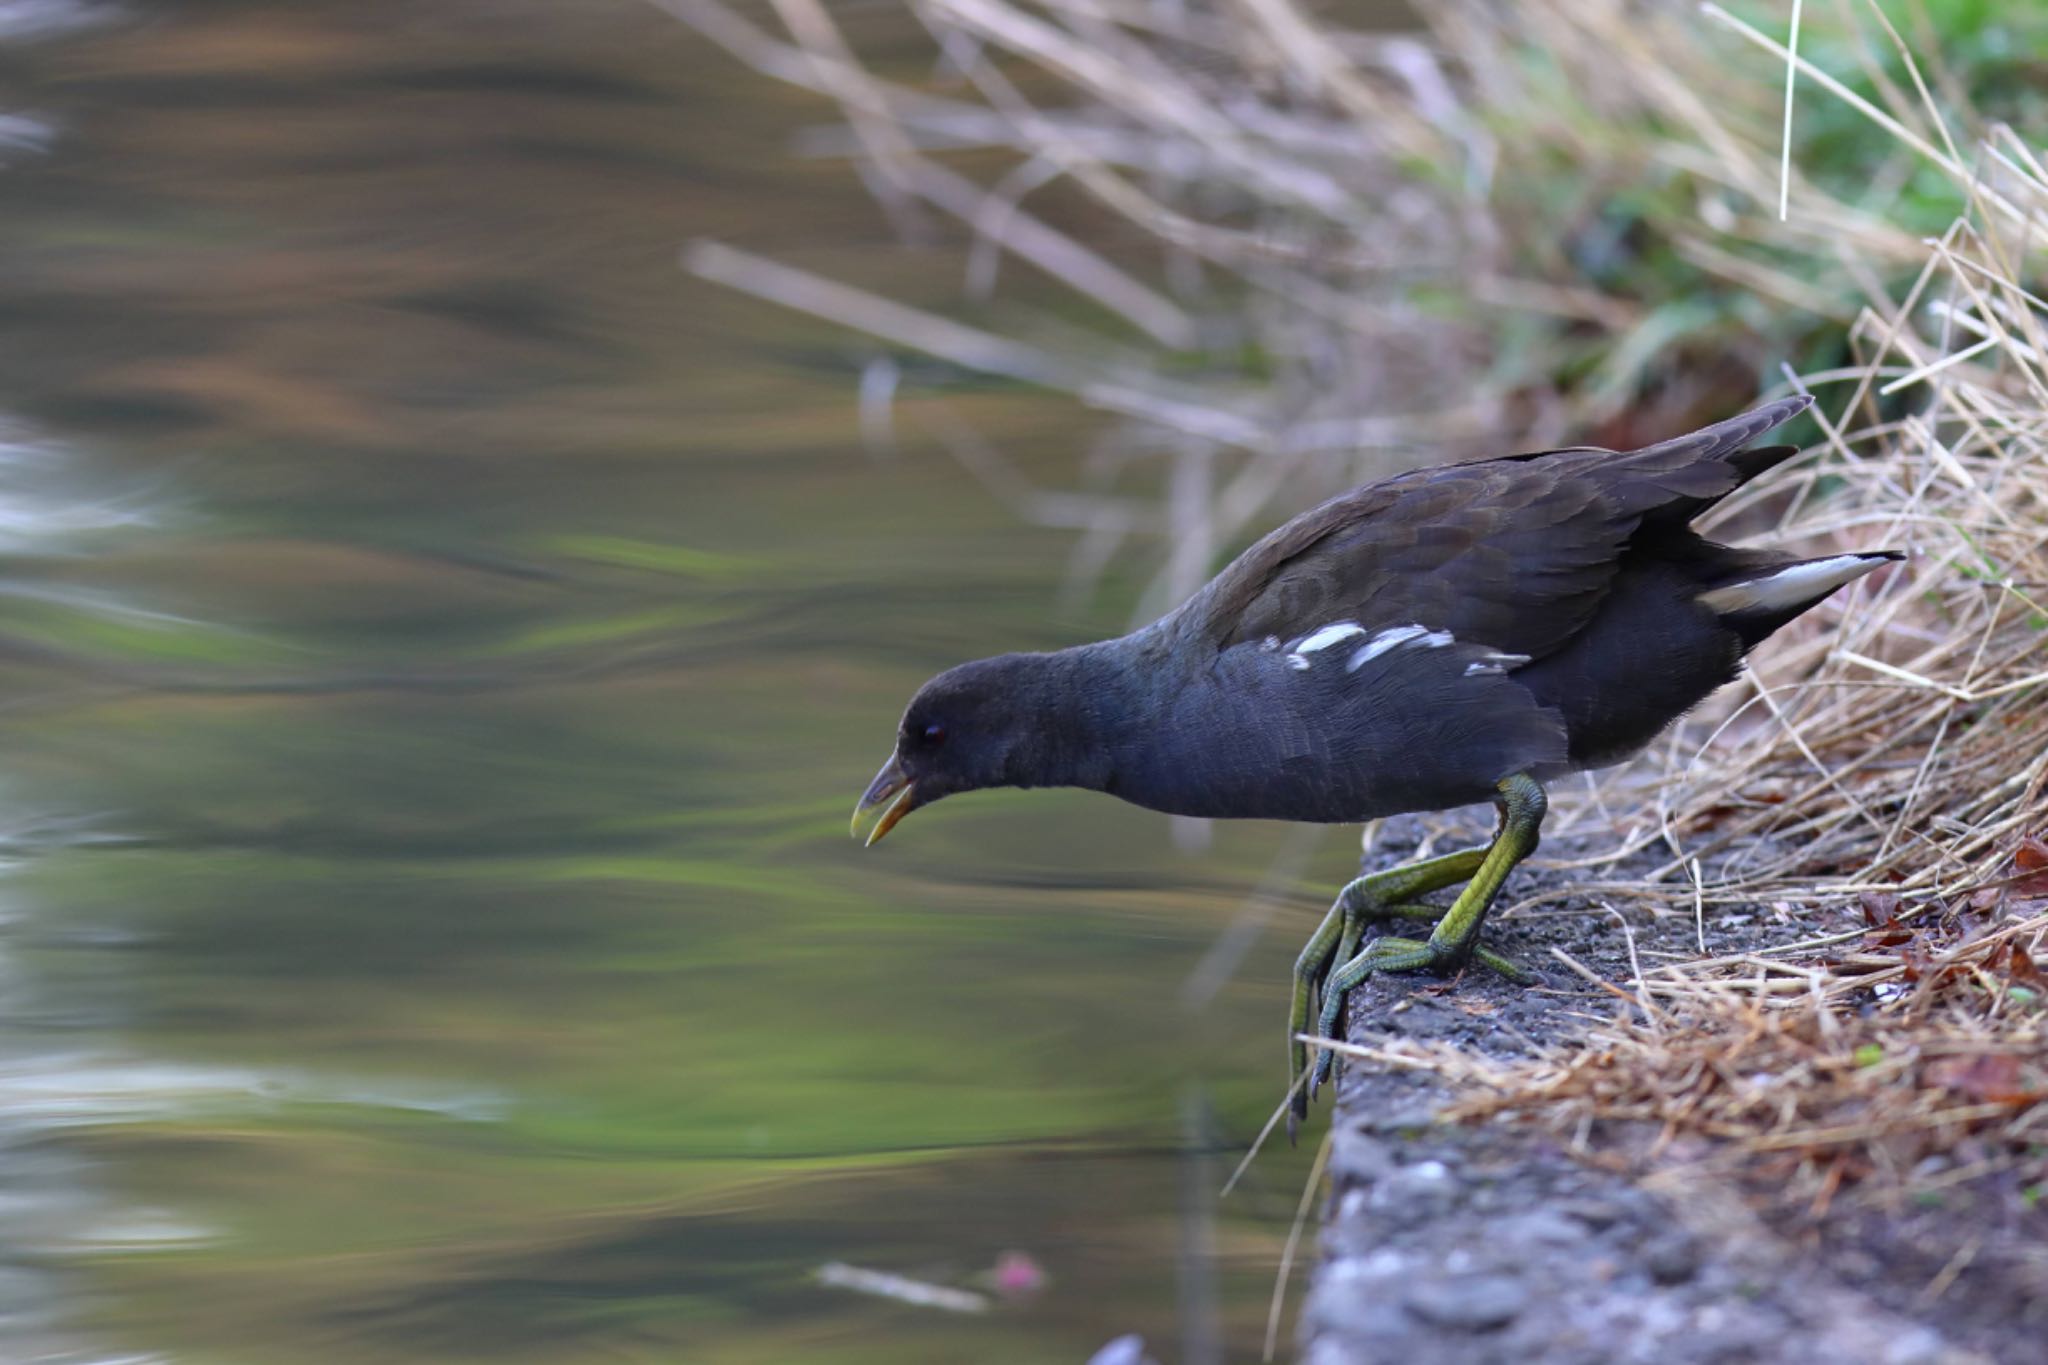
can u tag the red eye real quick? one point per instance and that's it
(935, 735)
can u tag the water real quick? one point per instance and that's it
(440, 646)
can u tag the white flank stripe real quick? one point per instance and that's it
(1790, 587)
(1394, 636)
(1495, 663)
(1297, 658)
(1329, 635)
(1384, 641)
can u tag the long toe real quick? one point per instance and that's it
(1325, 1065)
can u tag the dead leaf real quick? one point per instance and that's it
(1992, 1077)
(1881, 913)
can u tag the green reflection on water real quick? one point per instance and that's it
(482, 946)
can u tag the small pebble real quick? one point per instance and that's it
(1915, 1346)
(1414, 1193)
(1543, 1227)
(1488, 1201)
(1596, 1214)
(1738, 1343)
(1672, 1257)
(1400, 1118)
(1354, 1304)
(1329, 1350)
(1468, 1303)
(1359, 1156)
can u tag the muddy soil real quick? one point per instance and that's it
(1480, 1242)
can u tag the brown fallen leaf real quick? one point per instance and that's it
(1991, 1077)
(1881, 913)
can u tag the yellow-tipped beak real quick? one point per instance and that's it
(887, 800)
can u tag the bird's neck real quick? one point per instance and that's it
(1085, 698)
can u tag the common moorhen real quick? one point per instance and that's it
(1453, 635)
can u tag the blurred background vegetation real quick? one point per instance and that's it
(442, 637)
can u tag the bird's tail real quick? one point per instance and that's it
(1760, 601)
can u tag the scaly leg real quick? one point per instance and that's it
(1371, 899)
(1455, 940)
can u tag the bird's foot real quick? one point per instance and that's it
(1455, 940)
(1396, 955)
(1374, 899)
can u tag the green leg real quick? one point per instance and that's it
(1455, 940)
(1372, 899)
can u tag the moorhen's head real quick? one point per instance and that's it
(971, 727)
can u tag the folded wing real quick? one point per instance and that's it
(1513, 555)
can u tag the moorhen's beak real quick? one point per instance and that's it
(888, 799)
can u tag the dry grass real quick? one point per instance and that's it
(1769, 1072)
(1318, 254)
(1317, 250)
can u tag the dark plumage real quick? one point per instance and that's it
(1449, 636)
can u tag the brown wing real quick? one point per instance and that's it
(1514, 553)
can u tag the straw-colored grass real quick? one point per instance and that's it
(1758, 1070)
(1316, 251)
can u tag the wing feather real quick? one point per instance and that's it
(1514, 554)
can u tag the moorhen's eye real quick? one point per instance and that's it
(934, 735)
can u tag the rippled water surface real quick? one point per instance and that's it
(440, 644)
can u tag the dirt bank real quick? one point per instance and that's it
(1492, 1240)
